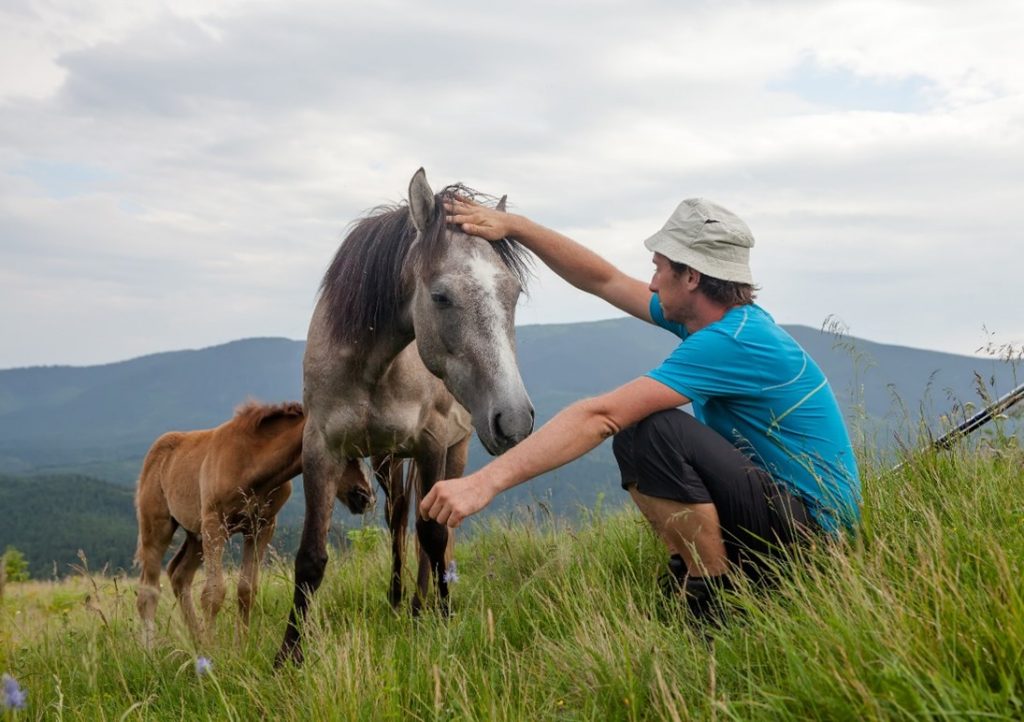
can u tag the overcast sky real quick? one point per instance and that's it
(176, 175)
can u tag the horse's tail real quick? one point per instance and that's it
(411, 482)
(148, 484)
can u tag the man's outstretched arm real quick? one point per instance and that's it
(570, 434)
(577, 264)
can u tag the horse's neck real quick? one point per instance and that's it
(363, 364)
(378, 359)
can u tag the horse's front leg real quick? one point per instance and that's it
(432, 537)
(320, 487)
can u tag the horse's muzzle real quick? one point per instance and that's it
(508, 429)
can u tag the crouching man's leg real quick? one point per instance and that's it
(691, 531)
(714, 509)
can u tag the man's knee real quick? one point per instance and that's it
(660, 425)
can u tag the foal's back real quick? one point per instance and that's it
(170, 474)
(257, 450)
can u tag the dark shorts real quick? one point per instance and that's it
(671, 455)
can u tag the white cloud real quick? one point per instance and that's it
(173, 175)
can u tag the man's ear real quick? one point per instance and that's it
(692, 278)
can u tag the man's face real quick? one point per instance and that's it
(675, 290)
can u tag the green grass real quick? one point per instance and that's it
(920, 617)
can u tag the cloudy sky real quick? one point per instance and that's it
(179, 174)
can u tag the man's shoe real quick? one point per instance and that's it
(704, 598)
(671, 582)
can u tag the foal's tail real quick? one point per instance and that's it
(148, 490)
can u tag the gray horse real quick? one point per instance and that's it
(414, 318)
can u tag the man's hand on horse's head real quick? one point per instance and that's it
(477, 220)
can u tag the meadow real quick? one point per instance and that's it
(920, 616)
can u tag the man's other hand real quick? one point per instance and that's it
(452, 500)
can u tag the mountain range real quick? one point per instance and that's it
(62, 426)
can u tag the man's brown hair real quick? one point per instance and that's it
(727, 293)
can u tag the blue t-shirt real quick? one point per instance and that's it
(753, 384)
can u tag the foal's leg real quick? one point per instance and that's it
(215, 537)
(182, 570)
(320, 487)
(390, 476)
(248, 579)
(155, 533)
(433, 537)
(264, 522)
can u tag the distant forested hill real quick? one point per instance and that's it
(95, 418)
(65, 422)
(50, 518)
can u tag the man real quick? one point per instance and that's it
(767, 459)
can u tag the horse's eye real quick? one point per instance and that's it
(441, 299)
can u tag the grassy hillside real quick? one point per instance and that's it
(921, 616)
(58, 424)
(51, 517)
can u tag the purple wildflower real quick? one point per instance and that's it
(451, 574)
(203, 666)
(14, 696)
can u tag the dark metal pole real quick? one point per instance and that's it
(980, 419)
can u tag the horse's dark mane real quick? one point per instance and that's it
(251, 415)
(363, 285)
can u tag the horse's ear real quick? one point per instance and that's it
(421, 201)
(501, 204)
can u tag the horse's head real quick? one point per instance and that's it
(463, 310)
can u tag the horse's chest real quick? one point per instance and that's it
(379, 426)
(395, 428)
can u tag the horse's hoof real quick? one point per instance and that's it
(285, 655)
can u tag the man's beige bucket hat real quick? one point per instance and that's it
(708, 238)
